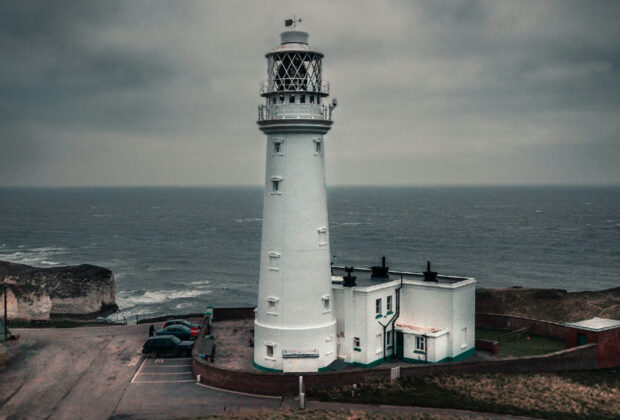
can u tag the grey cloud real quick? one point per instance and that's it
(137, 92)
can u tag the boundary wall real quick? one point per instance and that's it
(269, 383)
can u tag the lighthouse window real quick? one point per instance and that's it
(322, 236)
(291, 99)
(325, 303)
(420, 343)
(269, 351)
(273, 100)
(281, 99)
(302, 99)
(317, 146)
(275, 186)
(277, 147)
(311, 99)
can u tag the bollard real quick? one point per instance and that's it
(302, 401)
(301, 393)
(197, 379)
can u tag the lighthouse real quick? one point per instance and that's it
(295, 325)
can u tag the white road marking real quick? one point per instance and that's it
(237, 392)
(162, 382)
(138, 371)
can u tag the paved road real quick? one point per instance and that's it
(96, 373)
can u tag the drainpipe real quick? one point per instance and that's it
(391, 321)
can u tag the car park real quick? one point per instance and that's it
(167, 345)
(180, 331)
(194, 328)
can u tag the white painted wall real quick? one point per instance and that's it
(295, 257)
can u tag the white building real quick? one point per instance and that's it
(304, 320)
(295, 327)
(417, 317)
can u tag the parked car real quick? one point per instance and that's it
(167, 345)
(194, 328)
(179, 331)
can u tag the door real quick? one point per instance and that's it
(400, 343)
(581, 339)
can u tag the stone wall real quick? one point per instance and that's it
(512, 322)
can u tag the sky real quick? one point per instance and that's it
(429, 92)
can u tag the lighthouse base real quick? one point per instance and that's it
(294, 349)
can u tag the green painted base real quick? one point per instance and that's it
(266, 369)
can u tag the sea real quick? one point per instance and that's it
(175, 250)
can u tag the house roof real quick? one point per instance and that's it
(595, 324)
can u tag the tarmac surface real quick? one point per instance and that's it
(97, 373)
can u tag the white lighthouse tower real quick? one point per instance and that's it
(295, 326)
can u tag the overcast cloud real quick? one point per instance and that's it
(430, 92)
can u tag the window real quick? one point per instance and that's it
(302, 99)
(356, 342)
(317, 146)
(273, 100)
(322, 236)
(274, 262)
(291, 99)
(389, 303)
(325, 303)
(275, 185)
(420, 343)
(388, 338)
(378, 306)
(269, 350)
(311, 99)
(272, 306)
(277, 147)
(281, 99)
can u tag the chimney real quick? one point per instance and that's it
(348, 280)
(380, 271)
(428, 274)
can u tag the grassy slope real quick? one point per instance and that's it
(588, 394)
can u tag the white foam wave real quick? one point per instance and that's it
(37, 256)
(153, 268)
(158, 296)
(248, 220)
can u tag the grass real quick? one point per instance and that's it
(587, 394)
(526, 345)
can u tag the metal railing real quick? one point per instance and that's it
(294, 112)
(267, 87)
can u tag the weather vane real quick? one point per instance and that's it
(292, 22)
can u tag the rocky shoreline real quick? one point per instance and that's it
(80, 292)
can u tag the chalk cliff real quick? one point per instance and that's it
(77, 292)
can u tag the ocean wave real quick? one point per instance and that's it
(37, 256)
(153, 268)
(249, 220)
(158, 296)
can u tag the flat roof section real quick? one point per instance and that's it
(595, 324)
(364, 278)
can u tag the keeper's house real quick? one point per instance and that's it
(417, 317)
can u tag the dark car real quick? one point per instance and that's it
(167, 345)
(180, 322)
(194, 328)
(179, 331)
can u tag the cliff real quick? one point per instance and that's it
(75, 292)
(556, 305)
